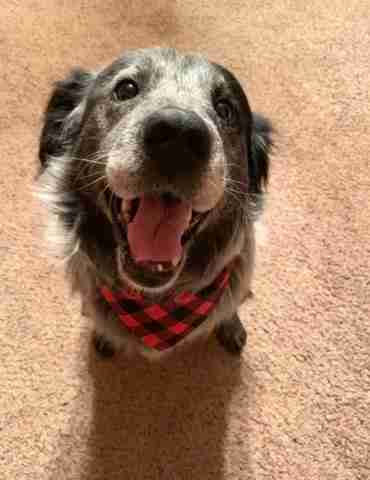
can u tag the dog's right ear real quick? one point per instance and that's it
(261, 145)
(61, 127)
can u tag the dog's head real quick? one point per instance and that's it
(157, 157)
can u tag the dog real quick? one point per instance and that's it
(154, 170)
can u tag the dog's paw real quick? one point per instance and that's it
(232, 335)
(104, 348)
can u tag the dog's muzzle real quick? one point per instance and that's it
(158, 223)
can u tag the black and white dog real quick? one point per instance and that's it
(153, 170)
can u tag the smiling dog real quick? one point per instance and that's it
(153, 170)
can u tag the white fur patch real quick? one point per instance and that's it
(60, 242)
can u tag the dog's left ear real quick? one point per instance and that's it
(259, 154)
(62, 120)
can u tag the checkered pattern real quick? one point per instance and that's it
(161, 326)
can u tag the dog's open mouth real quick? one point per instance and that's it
(156, 230)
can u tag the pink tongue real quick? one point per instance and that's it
(156, 230)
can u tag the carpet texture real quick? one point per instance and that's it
(296, 405)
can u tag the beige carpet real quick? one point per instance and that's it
(296, 406)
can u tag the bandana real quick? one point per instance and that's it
(163, 325)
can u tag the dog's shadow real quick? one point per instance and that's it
(163, 420)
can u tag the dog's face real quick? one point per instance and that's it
(164, 146)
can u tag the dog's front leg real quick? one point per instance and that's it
(230, 331)
(232, 335)
(103, 346)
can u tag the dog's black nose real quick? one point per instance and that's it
(176, 139)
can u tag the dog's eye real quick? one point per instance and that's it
(225, 111)
(125, 90)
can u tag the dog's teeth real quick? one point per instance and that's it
(195, 220)
(176, 261)
(126, 206)
(126, 211)
(126, 216)
(160, 267)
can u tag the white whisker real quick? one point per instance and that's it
(97, 180)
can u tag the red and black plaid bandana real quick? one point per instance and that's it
(161, 326)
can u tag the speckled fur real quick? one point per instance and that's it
(81, 125)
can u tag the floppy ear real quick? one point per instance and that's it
(60, 128)
(261, 144)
